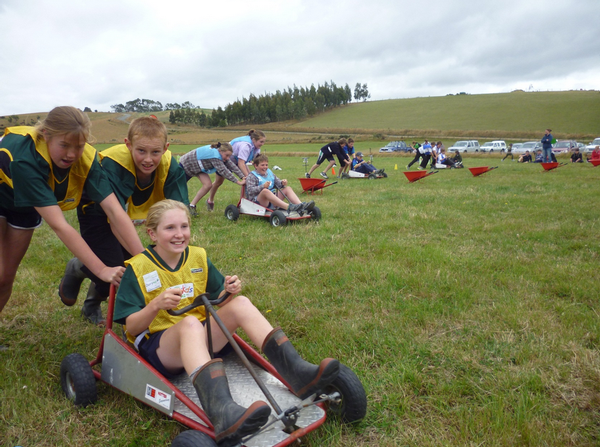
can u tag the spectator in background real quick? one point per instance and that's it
(595, 154)
(417, 148)
(426, 152)
(576, 156)
(539, 157)
(525, 158)
(457, 159)
(509, 153)
(547, 146)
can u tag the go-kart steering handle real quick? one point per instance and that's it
(198, 301)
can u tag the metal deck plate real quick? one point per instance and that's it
(245, 391)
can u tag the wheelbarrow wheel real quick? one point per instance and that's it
(278, 218)
(193, 438)
(353, 404)
(316, 213)
(232, 212)
(77, 380)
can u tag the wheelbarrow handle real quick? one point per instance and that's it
(198, 301)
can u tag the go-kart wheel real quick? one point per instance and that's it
(353, 406)
(232, 212)
(372, 176)
(316, 213)
(77, 380)
(384, 175)
(278, 219)
(193, 438)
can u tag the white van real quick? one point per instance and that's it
(465, 146)
(491, 146)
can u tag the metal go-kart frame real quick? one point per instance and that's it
(291, 418)
(277, 217)
(371, 176)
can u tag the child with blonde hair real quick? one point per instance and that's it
(169, 274)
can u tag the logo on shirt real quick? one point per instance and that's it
(197, 270)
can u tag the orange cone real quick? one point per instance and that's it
(332, 171)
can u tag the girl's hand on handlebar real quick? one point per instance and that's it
(284, 182)
(169, 299)
(233, 285)
(112, 275)
(267, 185)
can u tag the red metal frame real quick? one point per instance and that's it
(190, 423)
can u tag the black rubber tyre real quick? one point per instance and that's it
(278, 218)
(232, 212)
(193, 438)
(353, 406)
(372, 176)
(77, 380)
(316, 213)
(384, 175)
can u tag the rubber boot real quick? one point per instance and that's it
(71, 281)
(304, 378)
(92, 310)
(231, 421)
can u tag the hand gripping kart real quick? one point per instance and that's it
(371, 176)
(290, 419)
(277, 217)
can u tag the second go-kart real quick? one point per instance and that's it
(371, 176)
(277, 217)
(290, 419)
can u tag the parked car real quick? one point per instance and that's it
(590, 147)
(492, 146)
(530, 146)
(516, 147)
(465, 146)
(395, 146)
(563, 146)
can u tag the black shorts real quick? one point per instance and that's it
(27, 220)
(324, 155)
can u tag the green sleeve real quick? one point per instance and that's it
(97, 186)
(176, 184)
(121, 180)
(216, 281)
(130, 298)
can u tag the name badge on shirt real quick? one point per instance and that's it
(151, 281)
(187, 290)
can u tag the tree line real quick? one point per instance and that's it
(292, 103)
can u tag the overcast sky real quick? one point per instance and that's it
(98, 53)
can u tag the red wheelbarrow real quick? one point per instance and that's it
(313, 184)
(413, 176)
(481, 170)
(552, 165)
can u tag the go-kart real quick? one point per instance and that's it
(277, 217)
(372, 176)
(290, 419)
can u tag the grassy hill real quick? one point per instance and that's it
(511, 116)
(518, 114)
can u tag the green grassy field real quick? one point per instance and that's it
(468, 306)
